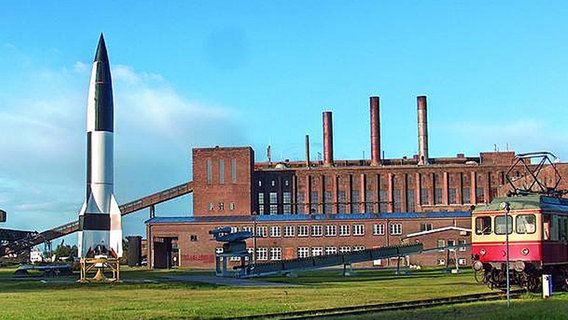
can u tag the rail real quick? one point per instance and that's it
(376, 308)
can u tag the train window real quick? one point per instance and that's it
(500, 224)
(526, 223)
(483, 225)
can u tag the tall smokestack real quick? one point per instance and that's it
(327, 139)
(422, 131)
(308, 150)
(375, 132)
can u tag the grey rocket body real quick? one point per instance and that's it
(100, 226)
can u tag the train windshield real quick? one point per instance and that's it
(483, 225)
(500, 224)
(526, 223)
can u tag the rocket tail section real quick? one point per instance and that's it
(80, 252)
(115, 227)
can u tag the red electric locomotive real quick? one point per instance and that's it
(534, 218)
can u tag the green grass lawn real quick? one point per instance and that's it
(62, 298)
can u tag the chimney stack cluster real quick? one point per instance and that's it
(375, 134)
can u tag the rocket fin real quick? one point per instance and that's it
(115, 227)
(80, 233)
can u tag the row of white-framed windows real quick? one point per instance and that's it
(262, 253)
(289, 231)
(378, 229)
(358, 229)
(261, 232)
(358, 248)
(395, 229)
(330, 230)
(317, 251)
(275, 231)
(275, 254)
(330, 250)
(344, 230)
(303, 231)
(234, 229)
(303, 252)
(248, 228)
(316, 231)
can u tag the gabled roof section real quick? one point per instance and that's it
(421, 233)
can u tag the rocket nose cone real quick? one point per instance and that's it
(101, 51)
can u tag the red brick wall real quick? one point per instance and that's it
(217, 193)
(200, 253)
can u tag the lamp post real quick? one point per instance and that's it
(507, 207)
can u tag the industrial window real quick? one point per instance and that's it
(300, 202)
(395, 229)
(526, 223)
(441, 262)
(396, 200)
(378, 229)
(438, 196)
(424, 199)
(501, 225)
(425, 226)
(330, 250)
(327, 203)
(261, 203)
(480, 195)
(221, 206)
(317, 251)
(286, 183)
(234, 229)
(441, 243)
(465, 195)
(275, 253)
(211, 206)
(275, 231)
(344, 230)
(248, 228)
(273, 197)
(483, 225)
(314, 200)
(316, 231)
(209, 171)
(355, 201)
(410, 200)
(452, 196)
(344, 249)
(369, 202)
(462, 261)
(330, 230)
(262, 253)
(260, 183)
(273, 183)
(341, 207)
(234, 170)
(358, 248)
(462, 243)
(219, 250)
(383, 201)
(303, 252)
(289, 231)
(261, 232)
(221, 171)
(287, 199)
(303, 231)
(193, 238)
(232, 206)
(273, 208)
(451, 243)
(359, 230)
(251, 251)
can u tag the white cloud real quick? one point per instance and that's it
(42, 172)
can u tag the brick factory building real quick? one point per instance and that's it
(306, 208)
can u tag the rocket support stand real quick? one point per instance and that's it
(97, 267)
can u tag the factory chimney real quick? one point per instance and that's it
(308, 150)
(422, 131)
(375, 132)
(327, 139)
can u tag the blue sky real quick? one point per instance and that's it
(204, 73)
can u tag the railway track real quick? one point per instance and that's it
(393, 306)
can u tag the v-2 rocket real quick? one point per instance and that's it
(100, 226)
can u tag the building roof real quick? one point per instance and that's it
(526, 202)
(421, 233)
(306, 217)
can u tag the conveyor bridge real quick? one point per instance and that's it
(68, 228)
(316, 262)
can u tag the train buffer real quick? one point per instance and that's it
(316, 262)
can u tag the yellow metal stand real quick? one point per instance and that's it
(97, 267)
